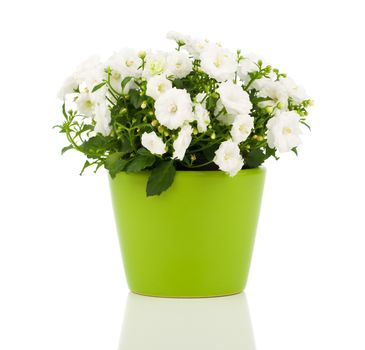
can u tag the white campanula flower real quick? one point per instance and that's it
(283, 131)
(241, 127)
(234, 98)
(155, 64)
(85, 103)
(182, 142)
(153, 143)
(201, 115)
(219, 63)
(273, 89)
(126, 62)
(102, 117)
(247, 65)
(173, 108)
(196, 46)
(90, 72)
(157, 85)
(296, 92)
(178, 37)
(179, 64)
(68, 87)
(228, 158)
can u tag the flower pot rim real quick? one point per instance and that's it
(243, 172)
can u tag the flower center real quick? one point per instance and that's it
(161, 87)
(287, 131)
(217, 62)
(129, 63)
(227, 156)
(88, 104)
(178, 65)
(243, 128)
(173, 108)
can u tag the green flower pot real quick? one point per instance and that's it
(195, 239)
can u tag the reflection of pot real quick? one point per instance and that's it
(195, 239)
(187, 324)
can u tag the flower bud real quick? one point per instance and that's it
(259, 138)
(161, 129)
(142, 54)
(269, 109)
(280, 105)
(166, 133)
(144, 104)
(213, 136)
(193, 157)
(311, 103)
(154, 122)
(195, 131)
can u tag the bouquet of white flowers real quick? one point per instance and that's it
(200, 107)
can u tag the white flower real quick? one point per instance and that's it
(174, 108)
(90, 72)
(228, 158)
(157, 85)
(246, 66)
(102, 118)
(182, 142)
(85, 103)
(179, 64)
(195, 46)
(178, 37)
(275, 90)
(218, 63)
(68, 87)
(126, 62)
(296, 92)
(283, 131)
(201, 115)
(155, 64)
(234, 98)
(153, 143)
(241, 127)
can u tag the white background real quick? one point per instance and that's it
(61, 276)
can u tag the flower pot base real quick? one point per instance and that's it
(194, 240)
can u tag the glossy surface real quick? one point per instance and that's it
(196, 239)
(186, 324)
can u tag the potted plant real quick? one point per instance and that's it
(183, 135)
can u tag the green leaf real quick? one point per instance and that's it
(135, 98)
(140, 162)
(115, 164)
(161, 178)
(111, 159)
(304, 123)
(86, 165)
(67, 148)
(211, 102)
(295, 151)
(125, 81)
(95, 146)
(178, 83)
(255, 158)
(99, 86)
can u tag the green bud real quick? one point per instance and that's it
(144, 104)
(195, 131)
(213, 136)
(280, 105)
(259, 138)
(161, 129)
(154, 122)
(269, 109)
(166, 133)
(142, 54)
